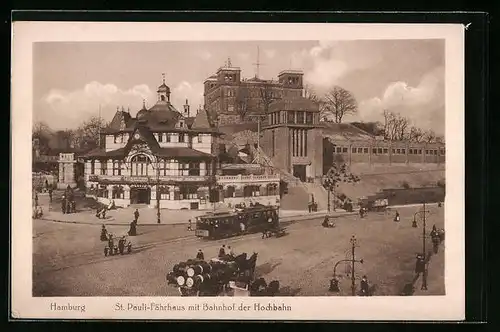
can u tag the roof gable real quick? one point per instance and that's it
(119, 121)
(201, 120)
(142, 136)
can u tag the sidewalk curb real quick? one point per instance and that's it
(283, 219)
(302, 217)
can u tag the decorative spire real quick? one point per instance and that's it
(187, 102)
(163, 75)
(144, 103)
(229, 61)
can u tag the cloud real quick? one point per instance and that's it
(62, 109)
(270, 53)
(205, 55)
(68, 109)
(186, 90)
(422, 104)
(329, 61)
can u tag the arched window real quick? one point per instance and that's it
(139, 165)
(162, 97)
(272, 189)
(230, 191)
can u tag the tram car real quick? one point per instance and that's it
(376, 204)
(245, 220)
(117, 246)
(227, 276)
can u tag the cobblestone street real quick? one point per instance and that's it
(68, 259)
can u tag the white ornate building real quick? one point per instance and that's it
(169, 158)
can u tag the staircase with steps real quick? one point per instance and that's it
(297, 198)
(319, 192)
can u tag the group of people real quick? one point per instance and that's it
(225, 252)
(364, 286)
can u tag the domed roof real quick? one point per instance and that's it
(142, 112)
(163, 88)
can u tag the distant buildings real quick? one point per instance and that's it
(228, 96)
(169, 158)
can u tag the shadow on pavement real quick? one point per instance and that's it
(266, 268)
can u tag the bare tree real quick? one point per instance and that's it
(267, 96)
(416, 134)
(430, 136)
(395, 126)
(338, 102)
(243, 102)
(88, 132)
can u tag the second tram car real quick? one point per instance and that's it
(259, 218)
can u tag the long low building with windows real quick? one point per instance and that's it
(166, 157)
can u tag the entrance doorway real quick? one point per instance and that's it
(299, 171)
(140, 195)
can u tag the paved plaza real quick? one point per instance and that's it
(68, 258)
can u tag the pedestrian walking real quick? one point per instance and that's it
(396, 217)
(190, 228)
(50, 194)
(222, 251)
(200, 255)
(63, 204)
(365, 287)
(136, 215)
(104, 233)
(133, 229)
(36, 199)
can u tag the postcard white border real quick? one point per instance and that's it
(449, 307)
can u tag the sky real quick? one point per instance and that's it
(72, 79)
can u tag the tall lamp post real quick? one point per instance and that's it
(158, 213)
(353, 261)
(422, 215)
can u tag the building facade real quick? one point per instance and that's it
(292, 137)
(228, 96)
(167, 158)
(348, 144)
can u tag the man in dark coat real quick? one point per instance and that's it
(136, 215)
(419, 265)
(104, 233)
(222, 251)
(190, 225)
(397, 218)
(365, 288)
(50, 194)
(200, 255)
(63, 204)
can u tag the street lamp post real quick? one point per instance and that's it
(330, 184)
(422, 214)
(158, 213)
(353, 258)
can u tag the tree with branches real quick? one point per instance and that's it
(337, 103)
(87, 135)
(243, 102)
(267, 96)
(395, 126)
